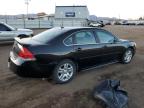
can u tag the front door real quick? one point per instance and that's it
(111, 49)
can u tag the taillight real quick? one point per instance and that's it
(25, 53)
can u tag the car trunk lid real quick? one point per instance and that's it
(21, 48)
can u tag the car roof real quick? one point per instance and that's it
(55, 32)
(2, 23)
(78, 28)
(75, 29)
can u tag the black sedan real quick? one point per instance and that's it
(61, 52)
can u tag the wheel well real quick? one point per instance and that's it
(131, 49)
(22, 36)
(74, 61)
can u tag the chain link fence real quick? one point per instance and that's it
(20, 23)
(43, 23)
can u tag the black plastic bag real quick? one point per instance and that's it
(111, 94)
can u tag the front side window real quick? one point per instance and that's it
(105, 37)
(84, 37)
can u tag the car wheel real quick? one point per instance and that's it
(64, 71)
(127, 56)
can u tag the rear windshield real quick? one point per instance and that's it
(48, 35)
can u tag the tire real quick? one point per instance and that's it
(64, 72)
(127, 56)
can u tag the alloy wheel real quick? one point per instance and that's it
(128, 56)
(65, 72)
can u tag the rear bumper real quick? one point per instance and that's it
(13, 67)
(29, 68)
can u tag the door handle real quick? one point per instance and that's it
(78, 49)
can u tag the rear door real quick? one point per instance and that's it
(6, 33)
(86, 49)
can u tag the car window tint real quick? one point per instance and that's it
(68, 41)
(105, 37)
(3, 27)
(48, 35)
(84, 37)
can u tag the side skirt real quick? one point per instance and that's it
(100, 65)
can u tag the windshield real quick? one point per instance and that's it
(12, 28)
(48, 35)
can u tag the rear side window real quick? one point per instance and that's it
(84, 37)
(68, 41)
(48, 35)
(105, 37)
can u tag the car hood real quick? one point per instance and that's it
(24, 30)
(124, 40)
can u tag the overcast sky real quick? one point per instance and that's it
(104, 8)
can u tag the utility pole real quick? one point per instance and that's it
(27, 4)
(62, 19)
(119, 17)
(5, 18)
(73, 13)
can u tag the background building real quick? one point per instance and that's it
(64, 16)
(71, 16)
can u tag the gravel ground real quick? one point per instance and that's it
(17, 92)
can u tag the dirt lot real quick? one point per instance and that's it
(16, 92)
